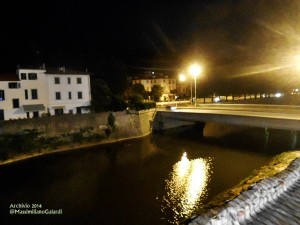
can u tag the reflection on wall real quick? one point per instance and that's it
(186, 187)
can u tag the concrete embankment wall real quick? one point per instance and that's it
(127, 125)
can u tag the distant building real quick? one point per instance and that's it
(150, 79)
(34, 92)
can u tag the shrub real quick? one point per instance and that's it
(111, 121)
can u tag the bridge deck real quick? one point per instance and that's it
(266, 116)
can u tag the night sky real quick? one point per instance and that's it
(246, 39)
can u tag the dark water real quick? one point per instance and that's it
(155, 180)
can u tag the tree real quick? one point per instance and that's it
(156, 92)
(101, 95)
(103, 99)
(137, 89)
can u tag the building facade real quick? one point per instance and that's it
(166, 82)
(68, 92)
(35, 92)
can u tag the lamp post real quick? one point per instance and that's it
(195, 71)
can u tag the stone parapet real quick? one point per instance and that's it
(250, 202)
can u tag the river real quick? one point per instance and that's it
(158, 179)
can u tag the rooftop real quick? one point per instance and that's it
(56, 71)
(64, 70)
(9, 77)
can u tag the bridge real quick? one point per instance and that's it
(286, 117)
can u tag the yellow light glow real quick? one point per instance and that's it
(186, 187)
(182, 77)
(195, 70)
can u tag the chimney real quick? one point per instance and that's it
(62, 69)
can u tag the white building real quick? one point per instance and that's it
(10, 93)
(36, 92)
(68, 91)
(167, 83)
(33, 98)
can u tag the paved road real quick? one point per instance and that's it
(264, 116)
(284, 211)
(269, 111)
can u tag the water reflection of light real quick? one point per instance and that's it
(186, 187)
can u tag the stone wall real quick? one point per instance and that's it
(128, 124)
(250, 202)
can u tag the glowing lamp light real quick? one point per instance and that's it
(216, 99)
(182, 77)
(195, 70)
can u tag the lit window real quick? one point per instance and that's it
(2, 95)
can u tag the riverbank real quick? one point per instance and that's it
(91, 130)
(72, 147)
(260, 188)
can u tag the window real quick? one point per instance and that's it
(58, 111)
(32, 76)
(35, 114)
(16, 103)
(78, 110)
(79, 80)
(70, 95)
(1, 114)
(23, 76)
(56, 80)
(34, 94)
(79, 95)
(26, 94)
(69, 80)
(2, 95)
(57, 96)
(14, 85)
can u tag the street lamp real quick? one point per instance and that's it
(182, 78)
(195, 71)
